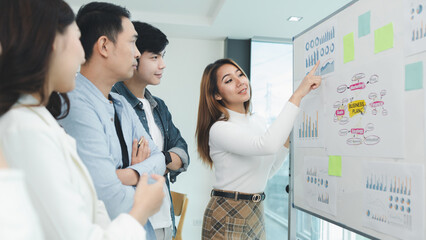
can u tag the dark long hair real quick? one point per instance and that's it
(211, 110)
(27, 32)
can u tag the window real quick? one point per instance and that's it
(272, 86)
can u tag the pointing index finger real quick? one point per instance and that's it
(314, 69)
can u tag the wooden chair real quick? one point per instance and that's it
(180, 202)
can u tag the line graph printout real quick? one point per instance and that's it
(363, 107)
(320, 189)
(394, 199)
(321, 45)
(415, 26)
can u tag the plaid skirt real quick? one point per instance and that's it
(226, 218)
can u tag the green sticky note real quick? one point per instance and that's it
(348, 48)
(335, 165)
(414, 76)
(383, 38)
(364, 24)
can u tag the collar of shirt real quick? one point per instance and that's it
(121, 88)
(86, 93)
(85, 86)
(89, 90)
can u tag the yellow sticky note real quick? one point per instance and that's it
(383, 38)
(348, 48)
(335, 165)
(356, 107)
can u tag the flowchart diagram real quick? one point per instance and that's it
(348, 108)
(361, 111)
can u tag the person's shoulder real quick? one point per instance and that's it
(16, 113)
(121, 88)
(219, 130)
(79, 93)
(156, 98)
(23, 119)
(81, 101)
(161, 104)
(120, 98)
(129, 112)
(218, 125)
(159, 100)
(84, 90)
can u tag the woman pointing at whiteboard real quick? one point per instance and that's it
(241, 149)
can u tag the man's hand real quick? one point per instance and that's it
(128, 176)
(176, 163)
(141, 151)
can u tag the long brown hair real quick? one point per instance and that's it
(27, 31)
(211, 110)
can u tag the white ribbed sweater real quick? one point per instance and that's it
(245, 153)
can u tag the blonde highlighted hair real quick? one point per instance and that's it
(211, 110)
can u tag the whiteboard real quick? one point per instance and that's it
(358, 146)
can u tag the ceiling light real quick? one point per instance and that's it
(294, 19)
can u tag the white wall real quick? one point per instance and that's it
(179, 88)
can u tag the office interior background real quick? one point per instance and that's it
(198, 32)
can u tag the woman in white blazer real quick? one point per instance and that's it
(41, 54)
(14, 205)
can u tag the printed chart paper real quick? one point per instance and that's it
(309, 128)
(320, 189)
(394, 199)
(363, 110)
(415, 26)
(321, 45)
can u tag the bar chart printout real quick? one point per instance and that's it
(394, 199)
(415, 26)
(309, 127)
(320, 45)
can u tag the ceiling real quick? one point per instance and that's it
(218, 19)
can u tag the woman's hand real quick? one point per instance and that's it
(3, 163)
(309, 83)
(148, 198)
